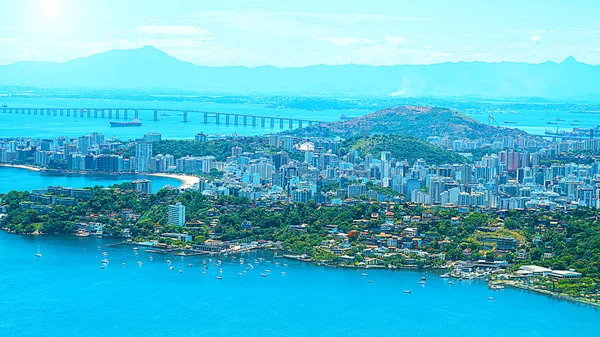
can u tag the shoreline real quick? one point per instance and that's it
(25, 167)
(186, 180)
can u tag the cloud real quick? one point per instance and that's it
(344, 41)
(396, 40)
(536, 39)
(171, 30)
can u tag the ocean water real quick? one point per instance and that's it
(171, 126)
(27, 180)
(66, 293)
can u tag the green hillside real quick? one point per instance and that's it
(416, 121)
(402, 147)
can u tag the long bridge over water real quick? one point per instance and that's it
(227, 118)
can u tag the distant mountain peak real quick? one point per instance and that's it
(570, 60)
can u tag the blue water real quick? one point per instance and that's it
(65, 293)
(14, 125)
(22, 179)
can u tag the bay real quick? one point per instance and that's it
(27, 180)
(66, 293)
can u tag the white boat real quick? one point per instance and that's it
(180, 271)
(139, 263)
(263, 274)
(38, 254)
(171, 268)
(451, 283)
(169, 261)
(104, 261)
(363, 274)
(136, 248)
(123, 264)
(104, 253)
(283, 273)
(190, 265)
(240, 273)
(102, 266)
(370, 281)
(422, 282)
(490, 298)
(151, 258)
(267, 271)
(407, 291)
(445, 275)
(219, 277)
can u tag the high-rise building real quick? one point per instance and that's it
(143, 153)
(236, 151)
(176, 215)
(142, 185)
(288, 143)
(152, 137)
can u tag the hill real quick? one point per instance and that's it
(402, 148)
(149, 67)
(416, 121)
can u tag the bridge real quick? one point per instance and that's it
(227, 118)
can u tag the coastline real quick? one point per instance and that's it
(186, 180)
(26, 167)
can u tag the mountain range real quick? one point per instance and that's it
(149, 68)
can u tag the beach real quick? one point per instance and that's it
(186, 180)
(26, 167)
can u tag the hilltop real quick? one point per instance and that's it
(402, 148)
(417, 121)
(149, 68)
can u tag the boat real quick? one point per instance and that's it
(267, 271)
(180, 271)
(342, 117)
(219, 277)
(263, 274)
(240, 273)
(104, 253)
(451, 283)
(370, 281)
(422, 282)
(559, 120)
(190, 265)
(123, 264)
(550, 122)
(283, 273)
(4, 106)
(139, 263)
(38, 254)
(423, 278)
(510, 122)
(102, 266)
(445, 275)
(490, 298)
(164, 114)
(169, 261)
(136, 248)
(363, 274)
(151, 258)
(104, 261)
(171, 268)
(407, 291)
(134, 122)
(576, 120)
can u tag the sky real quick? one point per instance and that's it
(292, 33)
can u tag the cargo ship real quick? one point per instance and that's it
(134, 122)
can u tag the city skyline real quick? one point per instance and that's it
(237, 33)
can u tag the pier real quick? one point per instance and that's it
(187, 116)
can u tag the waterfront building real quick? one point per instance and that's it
(152, 137)
(143, 153)
(142, 185)
(201, 137)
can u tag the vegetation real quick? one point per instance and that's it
(420, 122)
(402, 147)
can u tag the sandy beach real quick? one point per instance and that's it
(186, 181)
(26, 167)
